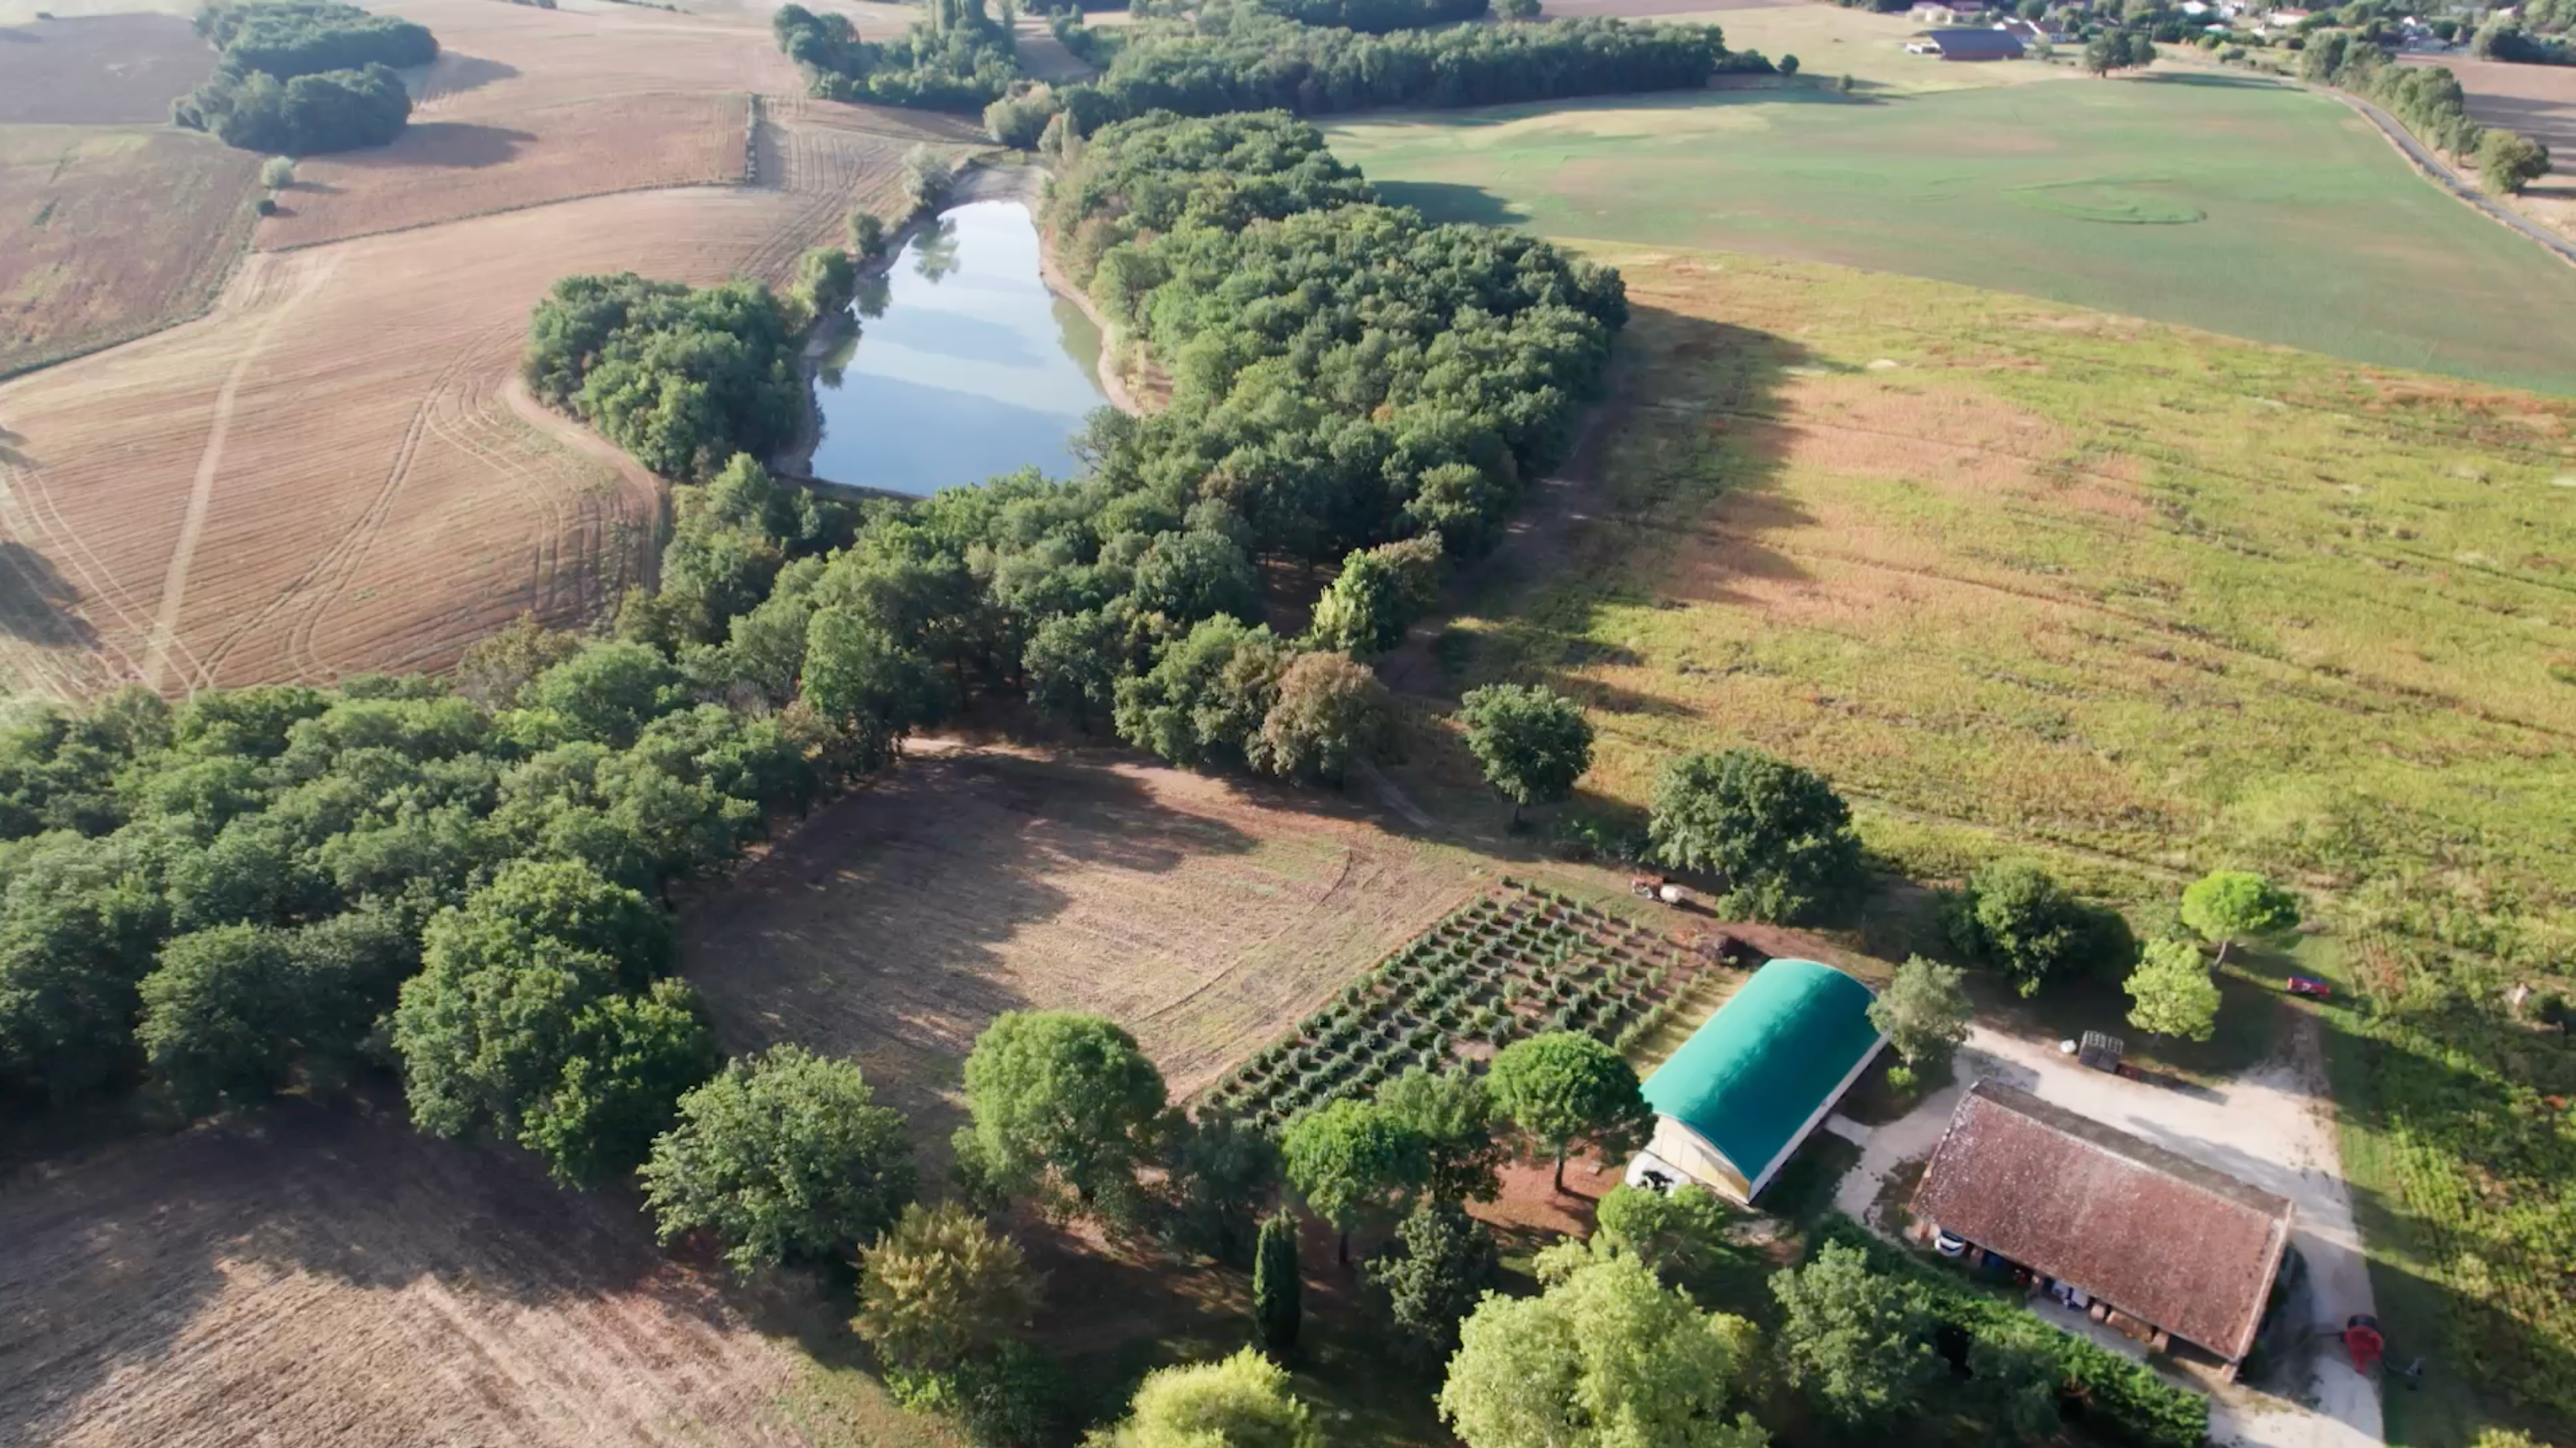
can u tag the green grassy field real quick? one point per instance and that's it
(2141, 602)
(2211, 200)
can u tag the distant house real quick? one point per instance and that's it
(1947, 12)
(1966, 44)
(2286, 18)
(2033, 32)
(1734, 1102)
(2136, 1234)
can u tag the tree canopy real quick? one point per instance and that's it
(2226, 906)
(1565, 1087)
(1533, 743)
(1241, 1402)
(1606, 1357)
(1440, 1265)
(2172, 992)
(1858, 1342)
(942, 1287)
(1062, 1104)
(785, 1157)
(1354, 1162)
(1776, 835)
(1924, 1011)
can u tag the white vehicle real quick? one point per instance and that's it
(1652, 1172)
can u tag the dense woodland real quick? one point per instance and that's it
(300, 77)
(1311, 57)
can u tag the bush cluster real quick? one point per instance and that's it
(303, 76)
(956, 59)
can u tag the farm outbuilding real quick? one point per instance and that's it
(1735, 1101)
(2141, 1236)
(1967, 44)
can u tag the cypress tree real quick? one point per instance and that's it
(1277, 1294)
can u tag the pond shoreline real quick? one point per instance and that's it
(1022, 183)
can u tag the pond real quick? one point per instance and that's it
(964, 365)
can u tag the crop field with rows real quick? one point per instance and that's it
(1517, 961)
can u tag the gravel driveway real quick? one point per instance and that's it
(2272, 1127)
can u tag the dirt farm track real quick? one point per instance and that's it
(329, 472)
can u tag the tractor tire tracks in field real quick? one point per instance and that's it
(201, 495)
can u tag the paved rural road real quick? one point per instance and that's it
(2272, 1127)
(2452, 181)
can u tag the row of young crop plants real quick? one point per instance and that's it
(1515, 962)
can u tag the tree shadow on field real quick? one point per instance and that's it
(880, 930)
(454, 73)
(1450, 201)
(36, 601)
(2204, 80)
(461, 144)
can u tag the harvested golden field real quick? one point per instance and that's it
(2540, 102)
(497, 57)
(445, 170)
(328, 1277)
(108, 234)
(329, 473)
(1205, 915)
(99, 70)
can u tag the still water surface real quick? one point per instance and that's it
(965, 365)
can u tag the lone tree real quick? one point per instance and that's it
(2226, 906)
(1242, 1402)
(1565, 1087)
(1860, 1344)
(1062, 1102)
(1924, 1011)
(2118, 50)
(786, 1157)
(1776, 834)
(1533, 743)
(2016, 917)
(2172, 992)
(1605, 1358)
(941, 1288)
(1441, 1263)
(1354, 1162)
(1278, 1291)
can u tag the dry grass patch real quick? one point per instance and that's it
(99, 70)
(1203, 914)
(108, 234)
(326, 1277)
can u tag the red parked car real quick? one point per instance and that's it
(2308, 985)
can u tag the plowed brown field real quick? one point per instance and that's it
(99, 70)
(327, 474)
(106, 234)
(333, 1279)
(444, 170)
(1203, 914)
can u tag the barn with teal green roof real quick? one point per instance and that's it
(1735, 1101)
